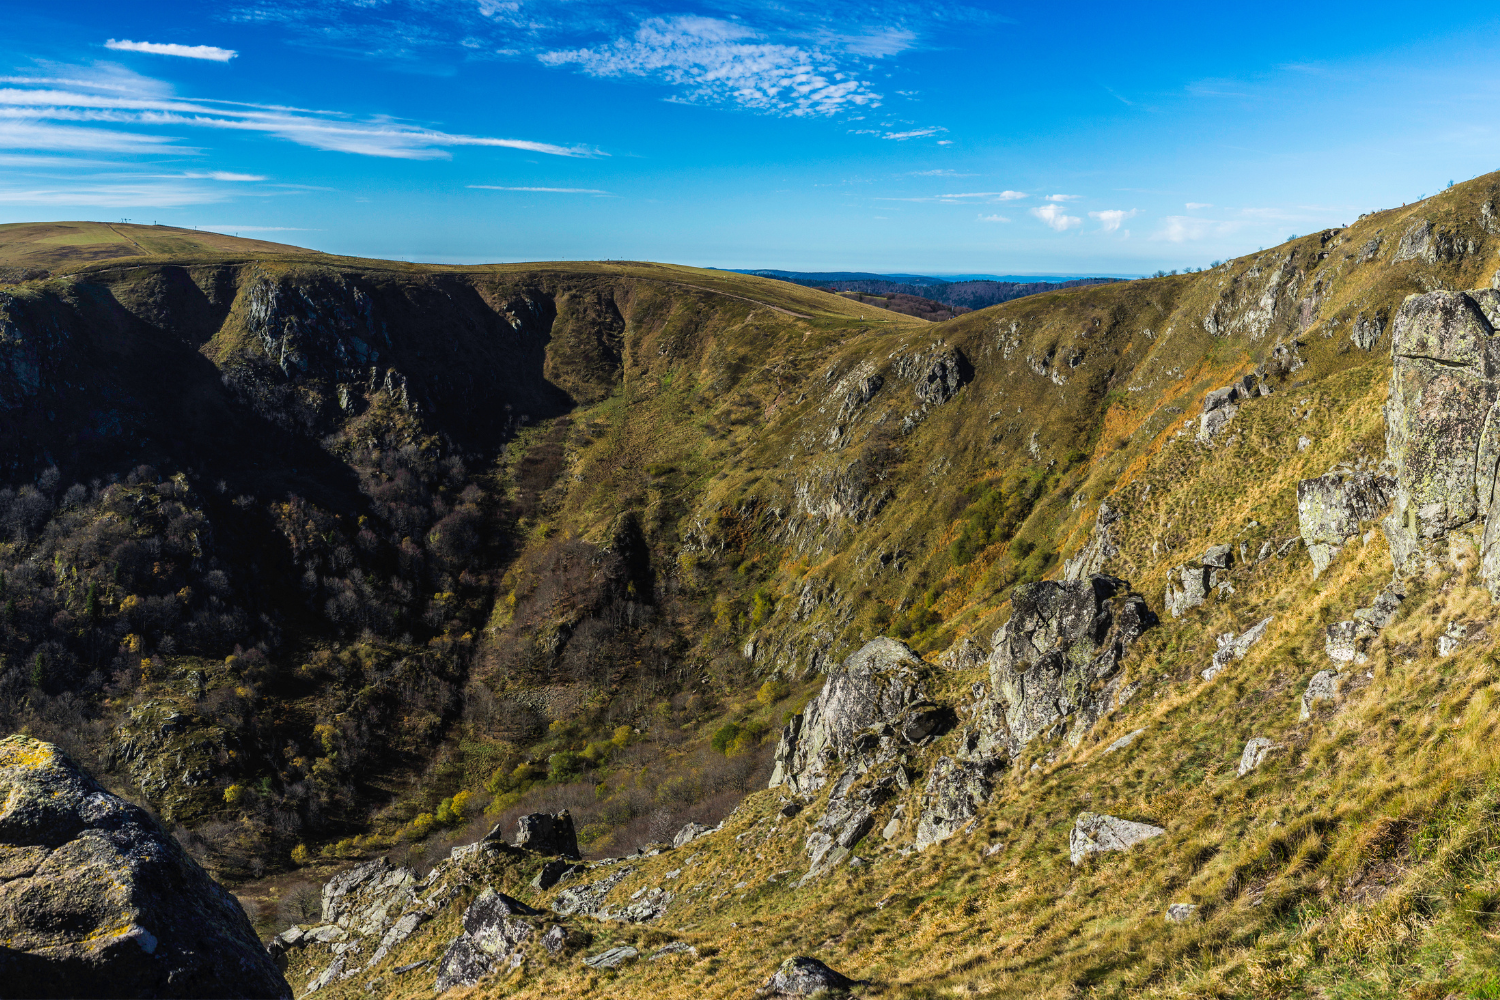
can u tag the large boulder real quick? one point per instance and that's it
(1442, 429)
(98, 901)
(951, 799)
(801, 977)
(880, 684)
(1055, 664)
(495, 931)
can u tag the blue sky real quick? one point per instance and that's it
(929, 138)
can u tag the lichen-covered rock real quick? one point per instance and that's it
(612, 957)
(690, 833)
(1442, 429)
(1331, 510)
(98, 901)
(1255, 752)
(1093, 832)
(1055, 664)
(881, 683)
(366, 899)
(1179, 913)
(801, 977)
(936, 374)
(1342, 642)
(495, 933)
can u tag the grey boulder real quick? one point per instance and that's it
(1331, 509)
(803, 976)
(547, 834)
(1093, 833)
(1324, 686)
(1255, 752)
(99, 901)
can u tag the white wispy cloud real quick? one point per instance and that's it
(1187, 228)
(919, 133)
(1112, 218)
(936, 173)
(989, 195)
(222, 175)
(210, 52)
(1063, 197)
(29, 117)
(1054, 216)
(715, 61)
(547, 190)
(1193, 206)
(993, 218)
(89, 194)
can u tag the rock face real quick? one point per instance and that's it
(1055, 665)
(880, 684)
(951, 799)
(1093, 832)
(1098, 550)
(1331, 510)
(98, 901)
(1442, 429)
(800, 977)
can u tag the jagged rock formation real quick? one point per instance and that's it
(541, 833)
(495, 932)
(1219, 406)
(880, 685)
(98, 901)
(1234, 647)
(1055, 665)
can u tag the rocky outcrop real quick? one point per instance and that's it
(173, 756)
(1093, 833)
(1220, 406)
(98, 901)
(880, 685)
(542, 833)
(1332, 509)
(951, 799)
(1055, 665)
(936, 374)
(1442, 428)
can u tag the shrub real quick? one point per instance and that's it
(772, 691)
(422, 825)
(622, 736)
(725, 737)
(234, 794)
(301, 855)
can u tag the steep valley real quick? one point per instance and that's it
(1131, 639)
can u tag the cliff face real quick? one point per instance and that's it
(1181, 580)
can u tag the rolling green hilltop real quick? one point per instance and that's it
(1123, 640)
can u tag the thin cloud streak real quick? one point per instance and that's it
(547, 190)
(28, 108)
(209, 52)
